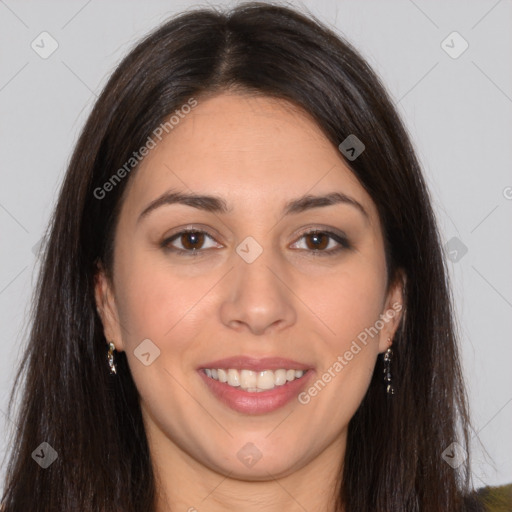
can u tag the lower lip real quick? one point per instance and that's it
(256, 402)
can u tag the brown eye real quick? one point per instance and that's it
(189, 242)
(322, 242)
(319, 241)
(192, 240)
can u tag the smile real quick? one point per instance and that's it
(255, 392)
(254, 381)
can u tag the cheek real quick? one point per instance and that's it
(158, 302)
(348, 354)
(172, 309)
(351, 302)
(169, 309)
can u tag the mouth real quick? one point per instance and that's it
(255, 386)
(252, 381)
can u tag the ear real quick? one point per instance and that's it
(106, 307)
(393, 311)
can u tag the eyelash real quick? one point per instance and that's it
(340, 239)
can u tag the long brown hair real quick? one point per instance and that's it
(393, 459)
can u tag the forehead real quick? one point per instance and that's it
(255, 151)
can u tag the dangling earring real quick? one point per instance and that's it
(110, 357)
(390, 390)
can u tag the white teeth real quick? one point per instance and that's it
(248, 379)
(266, 379)
(233, 378)
(252, 381)
(280, 376)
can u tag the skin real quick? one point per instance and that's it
(257, 153)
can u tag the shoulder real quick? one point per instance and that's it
(495, 499)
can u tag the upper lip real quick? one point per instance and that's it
(255, 364)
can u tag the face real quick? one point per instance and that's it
(283, 294)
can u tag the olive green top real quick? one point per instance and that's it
(496, 499)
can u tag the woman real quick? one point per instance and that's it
(243, 301)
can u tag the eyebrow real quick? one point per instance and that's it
(216, 204)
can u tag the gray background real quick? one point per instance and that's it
(458, 111)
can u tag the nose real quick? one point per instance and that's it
(258, 297)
